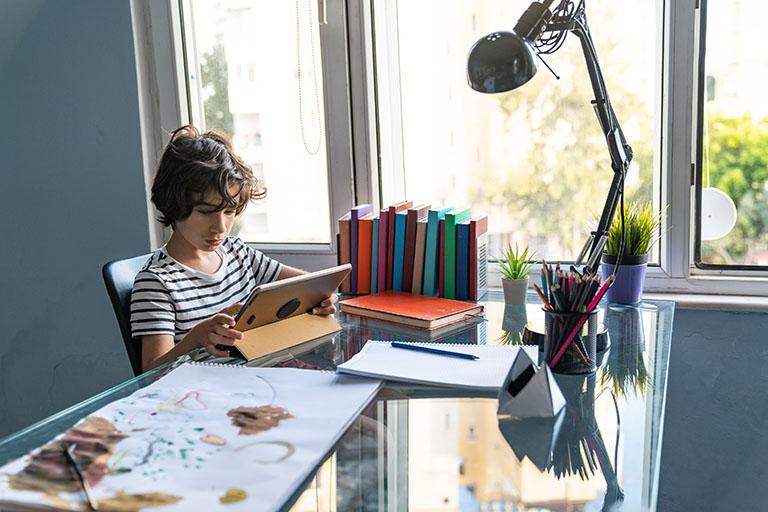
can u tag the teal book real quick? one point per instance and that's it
(375, 255)
(462, 260)
(452, 218)
(399, 253)
(432, 251)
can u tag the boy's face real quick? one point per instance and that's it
(206, 228)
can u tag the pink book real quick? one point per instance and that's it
(381, 273)
(441, 258)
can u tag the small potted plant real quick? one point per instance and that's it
(642, 229)
(515, 266)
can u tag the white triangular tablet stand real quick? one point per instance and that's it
(529, 392)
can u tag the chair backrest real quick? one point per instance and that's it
(118, 277)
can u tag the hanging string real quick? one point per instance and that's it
(314, 76)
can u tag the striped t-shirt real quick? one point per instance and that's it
(171, 298)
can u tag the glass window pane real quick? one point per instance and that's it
(534, 159)
(734, 220)
(248, 56)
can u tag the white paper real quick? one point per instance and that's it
(182, 443)
(379, 359)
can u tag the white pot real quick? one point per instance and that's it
(515, 290)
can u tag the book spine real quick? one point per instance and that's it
(441, 259)
(478, 258)
(462, 260)
(375, 255)
(381, 273)
(451, 220)
(399, 251)
(408, 251)
(356, 213)
(418, 256)
(343, 247)
(390, 245)
(365, 235)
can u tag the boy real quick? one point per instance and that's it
(184, 296)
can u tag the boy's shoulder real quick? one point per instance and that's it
(160, 264)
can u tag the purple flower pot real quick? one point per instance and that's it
(627, 288)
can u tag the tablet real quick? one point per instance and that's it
(282, 299)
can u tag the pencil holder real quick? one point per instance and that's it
(570, 341)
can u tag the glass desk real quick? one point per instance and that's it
(425, 448)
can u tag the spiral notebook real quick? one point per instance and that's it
(378, 359)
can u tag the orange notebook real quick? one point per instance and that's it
(408, 309)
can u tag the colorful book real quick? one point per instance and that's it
(343, 250)
(441, 258)
(409, 309)
(364, 245)
(432, 251)
(399, 251)
(418, 256)
(392, 211)
(356, 213)
(478, 257)
(462, 260)
(452, 218)
(412, 218)
(381, 260)
(375, 255)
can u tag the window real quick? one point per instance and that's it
(533, 159)
(732, 189)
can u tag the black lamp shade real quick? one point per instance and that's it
(500, 62)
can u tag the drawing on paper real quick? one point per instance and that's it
(253, 420)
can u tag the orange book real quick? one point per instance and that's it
(412, 310)
(364, 245)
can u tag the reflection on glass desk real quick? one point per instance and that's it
(425, 448)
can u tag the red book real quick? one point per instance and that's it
(364, 246)
(381, 262)
(343, 247)
(441, 259)
(413, 216)
(478, 257)
(392, 211)
(412, 310)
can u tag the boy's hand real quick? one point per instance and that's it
(217, 330)
(326, 307)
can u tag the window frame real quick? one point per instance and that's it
(162, 65)
(353, 110)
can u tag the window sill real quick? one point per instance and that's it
(708, 301)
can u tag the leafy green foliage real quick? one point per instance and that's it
(738, 165)
(642, 225)
(515, 265)
(213, 68)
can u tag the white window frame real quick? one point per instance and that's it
(352, 112)
(159, 43)
(677, 38)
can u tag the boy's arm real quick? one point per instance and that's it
(157, 349)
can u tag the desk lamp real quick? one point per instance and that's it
(504, 60)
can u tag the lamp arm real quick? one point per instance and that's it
(620, 152)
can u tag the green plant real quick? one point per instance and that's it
(642, 225)
(515, 265)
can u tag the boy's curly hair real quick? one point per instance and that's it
(194, 165)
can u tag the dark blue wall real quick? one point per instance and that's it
(72, 198)
(715, 445)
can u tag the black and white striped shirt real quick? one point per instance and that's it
(171, 298)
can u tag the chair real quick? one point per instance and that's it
(118, 278)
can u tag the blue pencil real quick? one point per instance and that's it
(420, 348)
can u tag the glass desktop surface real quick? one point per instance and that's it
(425, 448)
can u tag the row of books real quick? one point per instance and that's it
(434, 251)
